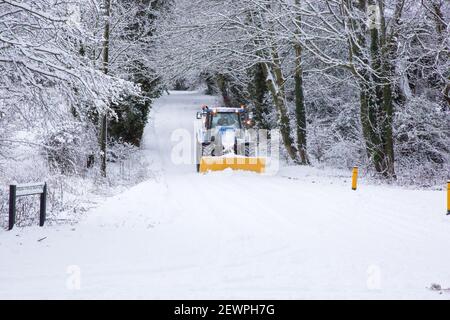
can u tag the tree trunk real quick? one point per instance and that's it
(369, 123)
(104, 120)
(376, 113)
(275, 83)
(376, 94)
(258, 94)
(388, 114)
(387, 53)
(300, 110)
(367, 92)
(223, 87)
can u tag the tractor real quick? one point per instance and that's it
(224, 141)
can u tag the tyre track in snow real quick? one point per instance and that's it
(190, 215)
(227, 217)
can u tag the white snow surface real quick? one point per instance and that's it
(301, 234)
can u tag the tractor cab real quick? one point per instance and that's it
(236, 118)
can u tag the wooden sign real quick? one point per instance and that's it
(27, 190)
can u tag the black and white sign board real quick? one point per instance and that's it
(23, 190)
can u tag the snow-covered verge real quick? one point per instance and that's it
(302, 233)
(70, 196)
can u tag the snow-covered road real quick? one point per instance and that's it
(299, 234)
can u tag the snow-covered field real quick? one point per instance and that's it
(302, 233)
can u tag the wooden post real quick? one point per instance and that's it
(355, 178)
(104, 119)
(12, 206)
(42, 213)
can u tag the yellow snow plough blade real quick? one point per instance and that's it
(255, 164)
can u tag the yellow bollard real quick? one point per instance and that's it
(355, 178)
(448, 197)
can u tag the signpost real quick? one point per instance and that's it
(24, 190)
